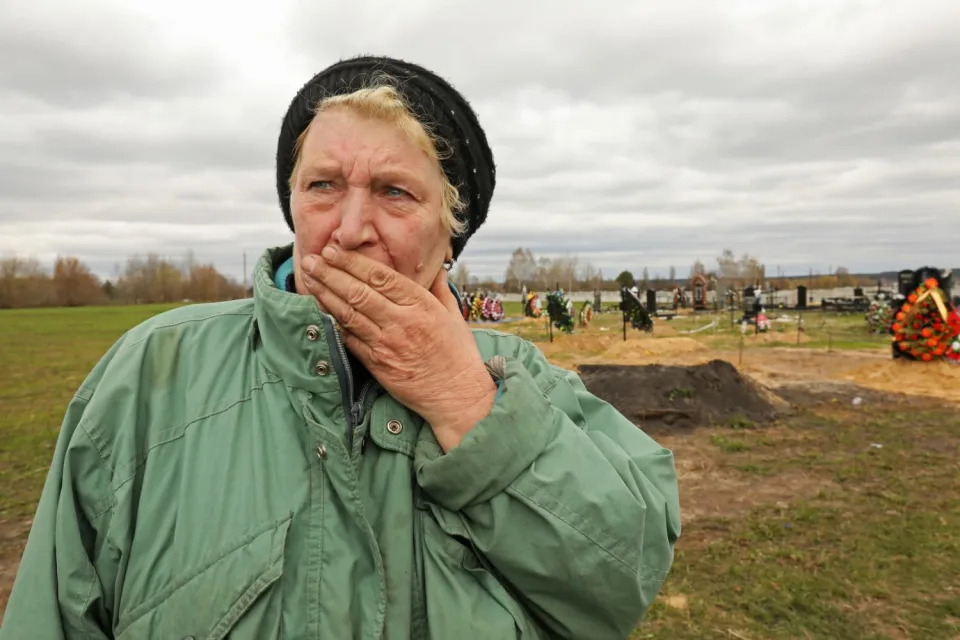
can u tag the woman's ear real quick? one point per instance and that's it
(448, 257)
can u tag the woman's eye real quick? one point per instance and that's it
(396, 192)
(322, 185)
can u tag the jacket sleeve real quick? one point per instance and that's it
(574, 507)
(58, 592)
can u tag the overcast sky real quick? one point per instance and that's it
(631, 134)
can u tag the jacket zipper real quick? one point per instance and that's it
(345, 373)
(358, 408)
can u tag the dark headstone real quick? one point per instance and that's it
(943, 281)
(905, 282)
(750, 302)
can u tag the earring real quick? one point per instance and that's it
(448, 264)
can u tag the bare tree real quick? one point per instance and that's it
(9, 271)
(461, 276)
(544, 273)
(189, 262)
(522, 269)
(75, 284)
(727, 267)
(588, 276)
(206, 284)
(844, 279)
(746, 270)
(151, 279)
(24, 283)
(564, 272)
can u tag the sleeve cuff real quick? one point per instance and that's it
(495, 451)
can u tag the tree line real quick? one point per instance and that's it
(545, 273)
(571, 273)
(24, 282)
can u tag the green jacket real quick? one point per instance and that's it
(212, 479)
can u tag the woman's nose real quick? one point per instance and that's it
(356, 220)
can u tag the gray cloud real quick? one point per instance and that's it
(188, 148)
(77, 57)
(809, 134)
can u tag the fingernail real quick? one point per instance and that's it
(308, 263)
(329, 252)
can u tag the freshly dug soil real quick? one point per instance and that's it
(660, 397)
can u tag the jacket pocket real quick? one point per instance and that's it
(463, 597)
(234, 596)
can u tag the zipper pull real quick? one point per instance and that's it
(355, 412)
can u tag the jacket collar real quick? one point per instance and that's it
(291, 334)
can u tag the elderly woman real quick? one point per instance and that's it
(341, 456)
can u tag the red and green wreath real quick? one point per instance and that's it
(927, 327)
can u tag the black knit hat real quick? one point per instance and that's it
(468, 165)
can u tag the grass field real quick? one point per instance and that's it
(846, 525)
(800, 529)
(46, 355)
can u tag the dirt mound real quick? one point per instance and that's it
(933, 379)
(663, 329)
(658, 397)
(640, 350)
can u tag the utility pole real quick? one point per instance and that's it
(244, 273)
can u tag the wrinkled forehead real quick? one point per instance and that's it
(357, 147)
(342, 136)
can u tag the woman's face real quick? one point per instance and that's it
(364, 186)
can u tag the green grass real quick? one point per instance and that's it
(729, 445)
(513, 309)
(46, 355)
(820, 330)
(737, 421)
(874, 555)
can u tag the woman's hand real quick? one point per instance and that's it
(413, 341)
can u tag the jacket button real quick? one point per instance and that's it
(394, 427)
(322, 452)
(322, 368)
(313, 332)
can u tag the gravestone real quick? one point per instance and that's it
(750, 302)
(905, 282)
(801, 297)
(699, 293)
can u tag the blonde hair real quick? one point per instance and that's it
(381, 101)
